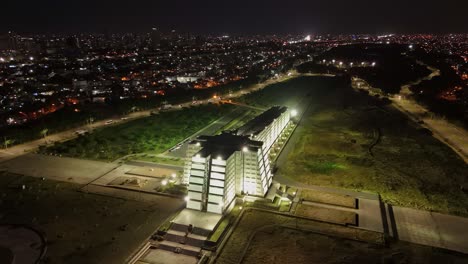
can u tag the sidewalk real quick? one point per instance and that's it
(431, 229)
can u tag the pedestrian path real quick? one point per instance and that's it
(429, 228)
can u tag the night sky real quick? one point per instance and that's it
(235, 17)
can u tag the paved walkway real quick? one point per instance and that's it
(369, 213)
(431, 229)
(158, 256)
(197, 219)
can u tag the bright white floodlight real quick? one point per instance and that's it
(293, 112)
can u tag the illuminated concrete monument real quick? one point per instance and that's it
(219, 167)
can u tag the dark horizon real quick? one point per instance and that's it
(237, 18)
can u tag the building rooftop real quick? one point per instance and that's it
(259, 123)
(225, 144)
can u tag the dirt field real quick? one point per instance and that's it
(57, 168)
(81, 227)
(256, 221)
(326, 214)
(328, 198)
(283, 245)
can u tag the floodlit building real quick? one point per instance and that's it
(219, 167)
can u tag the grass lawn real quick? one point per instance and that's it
(153, 134)
(351, 140)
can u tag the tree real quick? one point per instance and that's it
(7, 142)
(44, 133)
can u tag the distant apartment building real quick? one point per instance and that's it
(219, 167)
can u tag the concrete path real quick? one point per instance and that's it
(198, 219)
(369, 213)
(157, 256)
(430, 229)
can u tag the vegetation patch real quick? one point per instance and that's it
(153, 134)
(406, 166)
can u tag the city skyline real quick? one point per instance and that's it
(225, 132)
(240, 17)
